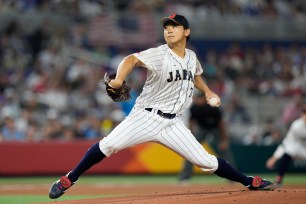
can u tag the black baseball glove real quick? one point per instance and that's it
(117, 94)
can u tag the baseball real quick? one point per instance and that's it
(213, 102)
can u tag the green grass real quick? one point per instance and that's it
(113, 179)
(29, 199)
(299, 179)
(142, 179)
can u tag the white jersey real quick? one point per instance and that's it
(294, 144)
(170, 80)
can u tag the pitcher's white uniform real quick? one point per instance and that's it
(294, 144)
(169, 89)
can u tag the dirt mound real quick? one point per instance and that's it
(175, 194)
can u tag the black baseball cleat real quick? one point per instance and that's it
(59, 187)
(261, 184)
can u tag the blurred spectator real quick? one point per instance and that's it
(211, 64)
(291, 110)
(111, 121)
(23, 120)
(79, 126)
(37, 79)
(40, 38)
(253, 136)
(68, 134)
(53, 129)
(48, 58)
(271, 134)
(9, 132)
(11, 104)
(107, 125)
(58, 93)
(93, 129)
(236, 111)
(76, 74)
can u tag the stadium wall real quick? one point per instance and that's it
(49, 158)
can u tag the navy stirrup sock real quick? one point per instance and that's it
(93, 155)
(284, 164)
(225, 170)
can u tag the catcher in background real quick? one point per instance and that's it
(292, 147)
(172, 74)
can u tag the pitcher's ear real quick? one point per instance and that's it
(187, 32)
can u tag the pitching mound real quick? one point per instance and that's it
(185, 194)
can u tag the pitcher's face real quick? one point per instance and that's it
(174, 33)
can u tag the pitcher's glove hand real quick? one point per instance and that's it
(117, 94)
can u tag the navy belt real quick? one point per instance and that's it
(162, 114)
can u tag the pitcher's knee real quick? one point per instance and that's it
(209, 165)
(106, 148)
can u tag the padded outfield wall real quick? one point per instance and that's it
(45, 158)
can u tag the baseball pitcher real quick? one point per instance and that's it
(173, 73)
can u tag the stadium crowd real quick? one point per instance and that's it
(87, 8)
(45, 95)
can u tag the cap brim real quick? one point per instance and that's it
(166, 19)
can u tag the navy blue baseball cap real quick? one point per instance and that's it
(176, 18)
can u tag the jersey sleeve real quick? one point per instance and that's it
(279, 152)
(150, 57)
(287, 141)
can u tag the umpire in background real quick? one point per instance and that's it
(207, 124)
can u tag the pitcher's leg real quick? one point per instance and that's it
(124, 135)
(139, 127)
(128, 133)
(93, 156)
(178, 138)
(187, 170)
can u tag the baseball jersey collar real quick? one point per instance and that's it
(176, 56)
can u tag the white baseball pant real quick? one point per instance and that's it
(142, 126)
